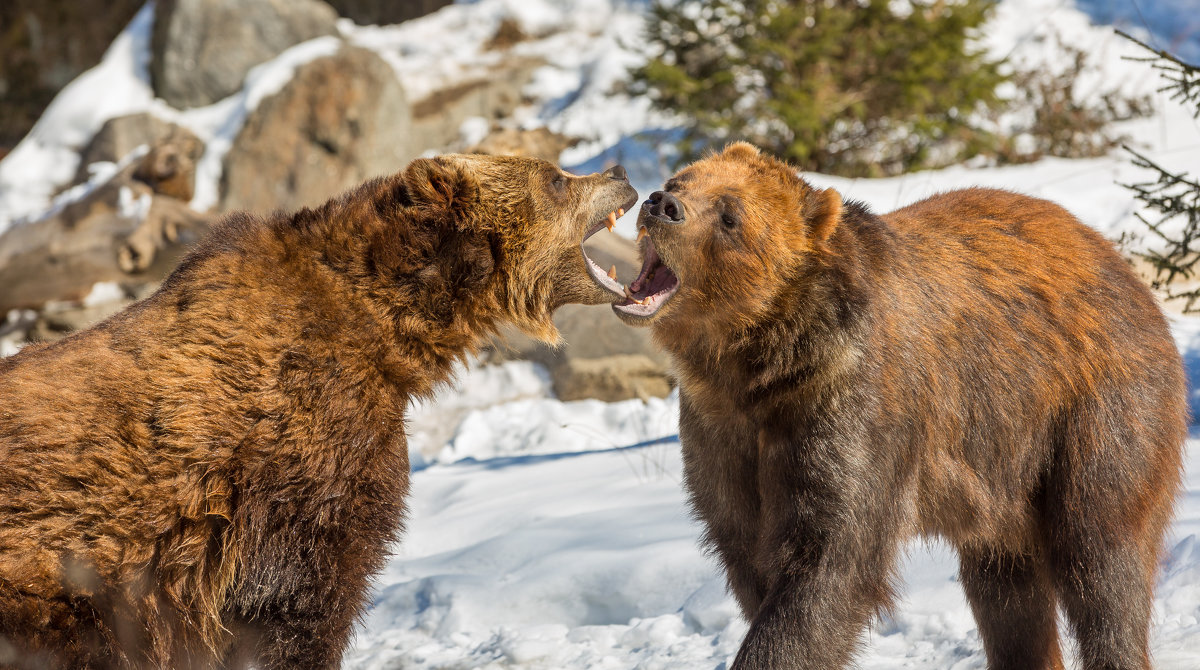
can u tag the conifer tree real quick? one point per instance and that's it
(851, 87)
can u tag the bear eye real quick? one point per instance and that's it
(729, 221)
(559, 183)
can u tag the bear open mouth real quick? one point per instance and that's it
(607, 280)
(654, 286)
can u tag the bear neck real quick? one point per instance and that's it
(812, 338)
(373, 249)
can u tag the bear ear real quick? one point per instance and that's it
(742, 150)
(440, 184)
(823, 211)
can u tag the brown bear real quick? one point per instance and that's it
(211, 477)
(978, 366)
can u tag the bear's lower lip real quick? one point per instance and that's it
(654, 286)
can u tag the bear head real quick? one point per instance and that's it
(503, 231)
(723, 238)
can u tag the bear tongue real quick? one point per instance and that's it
(651, 263)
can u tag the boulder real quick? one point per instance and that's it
(438, 118)
(170, 166)
(202, 49)
(44, 44)
(386, 12)
(610, 378)
(537, 143)
(342, 119)
(120, 231)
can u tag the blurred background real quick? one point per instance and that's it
(548, 527)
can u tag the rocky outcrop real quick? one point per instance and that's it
(120, 231)
(438, 117)
(386, 12)
(170, 168)
(202, 49)
(342, 119)
(610, 378)
(537, 143)
(44, 44)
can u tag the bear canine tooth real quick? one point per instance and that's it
(612, 220)
(620, 212)
(641, 233)
(612, 273)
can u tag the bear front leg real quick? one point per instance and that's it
(303, 640)
(828, 546)
(719, 476)
(281, 635)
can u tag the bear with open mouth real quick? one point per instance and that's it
(978, 366)
(212, 477)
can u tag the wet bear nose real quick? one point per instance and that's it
(665, 206)
(617, 172)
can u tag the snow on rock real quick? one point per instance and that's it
(47, 158)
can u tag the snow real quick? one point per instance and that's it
(48, 156)
(32, 175)
(103, 293)
(548, 534)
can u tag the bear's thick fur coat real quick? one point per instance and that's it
(978, 366)
(211, 477)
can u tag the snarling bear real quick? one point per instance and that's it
(211, 477)
(978, 366)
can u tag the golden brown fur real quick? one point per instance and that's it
(211, 477)
(978, 366)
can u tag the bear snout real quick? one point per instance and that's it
(664, 207)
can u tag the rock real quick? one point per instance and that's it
(341, 120)
(46, 44)
(168, 230)
(438, 117)
(121, 231)
(600, 350)
(386, 12)
(610, 378)
(508, 34)
(169, 168)
(537, 143)
(202, 49)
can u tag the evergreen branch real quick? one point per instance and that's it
(1183, 78)
(1172, 195)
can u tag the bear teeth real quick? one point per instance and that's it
(612, 220)
(612, 273)
(641, 233)
(635, 299)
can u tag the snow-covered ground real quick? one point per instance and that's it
(545, 534)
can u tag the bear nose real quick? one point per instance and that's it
(665, 206)
(617, 172)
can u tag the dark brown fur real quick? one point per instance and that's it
(978, 366)
(211, 477)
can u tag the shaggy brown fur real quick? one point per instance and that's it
(978, 366)
(211, 477)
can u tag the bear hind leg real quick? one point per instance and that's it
(1013, 600)
(1108, 498)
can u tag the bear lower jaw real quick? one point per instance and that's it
(655, 285)
(605, 280)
